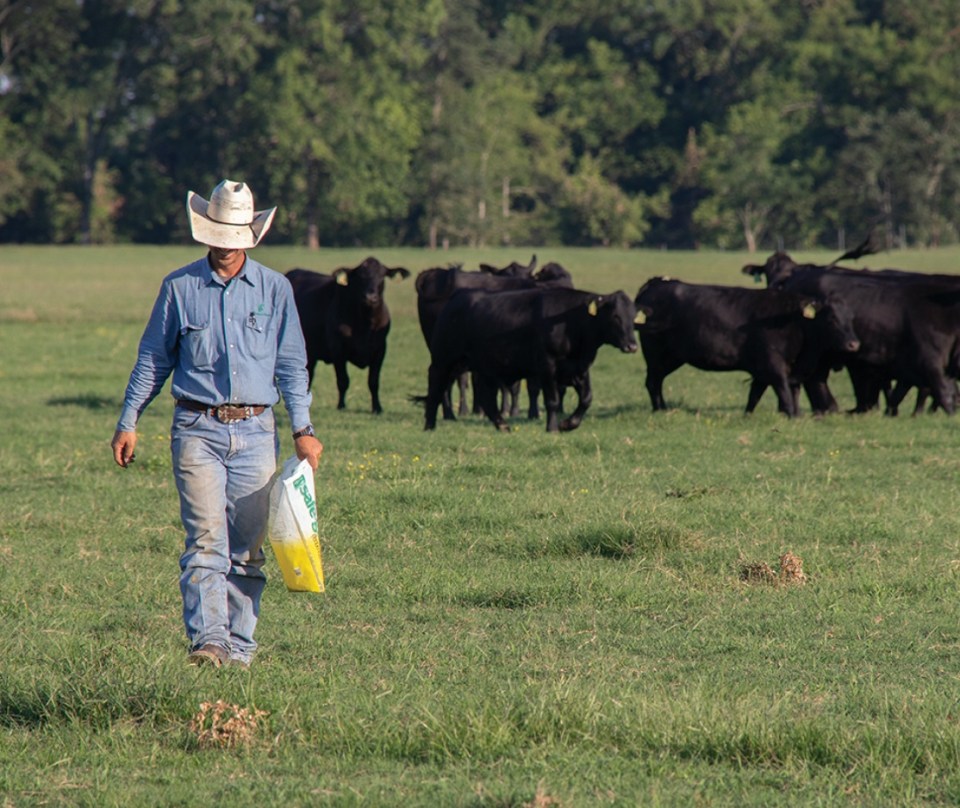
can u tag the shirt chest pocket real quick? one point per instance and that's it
(259, 335)
(197, 347)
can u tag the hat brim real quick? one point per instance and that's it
(226, 236)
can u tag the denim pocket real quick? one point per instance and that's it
(196, 342)
(266, 420)
(186, 419)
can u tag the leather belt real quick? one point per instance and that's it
(225, 413)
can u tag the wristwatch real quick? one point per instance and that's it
(302, 433)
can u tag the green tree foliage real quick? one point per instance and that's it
(738, 123)
(339, 119)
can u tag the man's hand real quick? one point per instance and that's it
(309, 449)
(123, 444)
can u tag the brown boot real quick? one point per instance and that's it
(208, 655)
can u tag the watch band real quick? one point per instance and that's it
(302, 433)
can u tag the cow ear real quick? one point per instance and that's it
(592, 308)
(641, 317)
(810, 311)
(341, 276)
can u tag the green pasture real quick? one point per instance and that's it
(519, 619)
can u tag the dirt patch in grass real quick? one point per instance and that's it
(759, 572)
(219, 725)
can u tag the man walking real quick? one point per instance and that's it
(227, 328)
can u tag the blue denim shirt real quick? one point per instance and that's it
(236, 342)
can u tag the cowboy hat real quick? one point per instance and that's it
(228, 220)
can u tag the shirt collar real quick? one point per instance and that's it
(248, 273)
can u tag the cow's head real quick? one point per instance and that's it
(776, 270)
(512, 270)
(832, 319)
(554, 274)
(615, 315)
(365, 281)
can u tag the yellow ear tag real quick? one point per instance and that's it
(342, 278)
(592, 308)
(809, 311)
(640, 319)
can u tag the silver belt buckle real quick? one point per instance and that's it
(224, 418)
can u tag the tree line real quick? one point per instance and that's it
(668, 123)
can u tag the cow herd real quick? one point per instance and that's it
(891, 330)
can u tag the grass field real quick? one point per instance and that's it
(518, 619)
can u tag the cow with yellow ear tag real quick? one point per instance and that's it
(345, 319)
(549, 335)
(778, 337)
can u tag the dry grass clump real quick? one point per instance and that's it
(791, 569)
(759, 572)
(224, 726)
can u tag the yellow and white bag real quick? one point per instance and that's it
(292, 527)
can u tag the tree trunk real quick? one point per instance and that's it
(89, 175)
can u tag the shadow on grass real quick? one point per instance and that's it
(500, 599)
(617, 542)
(89, 401)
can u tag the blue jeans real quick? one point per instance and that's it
(223, 474)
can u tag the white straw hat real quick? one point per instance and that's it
(228, 220)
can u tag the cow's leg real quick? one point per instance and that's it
(757, 389)
(818, 393)
(513, 393)
(584, 399)
(821, 399)
(485, 388)
(373, 383)
(943, 390)
(787, 403)
(866, 389)
(660, 364)
(506, 405)
(795, 391)
(463, 382)
(446, 402)
(477, 395)
(533, 393)
(655, 388)
(551, 401)
(896, 395)
(343, 384)
(438, 385)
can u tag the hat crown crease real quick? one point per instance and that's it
(231, 203)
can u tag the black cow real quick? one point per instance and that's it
(345, 319)
(551, 335)
(775, 336)
(436, 286)
(908, 323)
